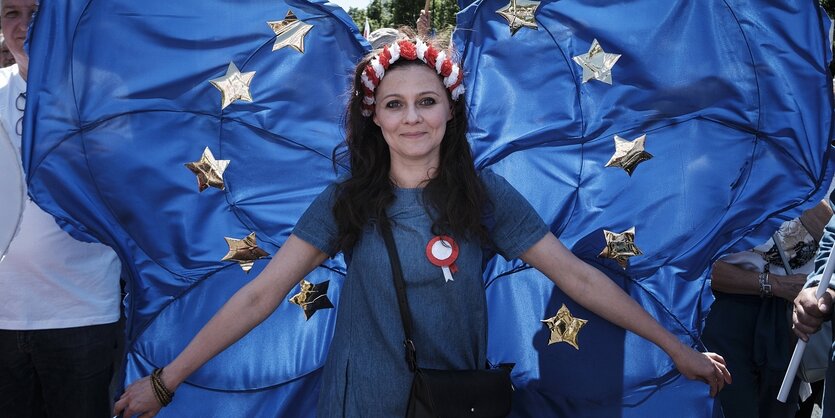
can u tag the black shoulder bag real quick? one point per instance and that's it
(446, 393)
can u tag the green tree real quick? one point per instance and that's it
(443, 14)
(405, 12)
(378, 14)
(358, 16)
(829, 6)
(396, 13)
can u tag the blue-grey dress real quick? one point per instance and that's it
(366, 374)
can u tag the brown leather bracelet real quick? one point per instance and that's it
(163, 394)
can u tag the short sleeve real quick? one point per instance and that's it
(317, 225)
(513, 224)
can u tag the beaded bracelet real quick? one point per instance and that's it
(163, 395)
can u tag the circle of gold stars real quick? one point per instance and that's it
(620, 246)
(628, 154)
(289, 32)
(244, 251)
(519, 14)
(564, 327)
(233, 86)
(209, 171)
(597, 64)
(312, 297)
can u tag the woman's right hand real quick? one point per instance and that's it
(138, 399)
(707, 367)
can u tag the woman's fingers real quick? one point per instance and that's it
(721, 367)
(714, 387)
(725, 374)
(718, 375)
(138, 400)
(120, 405)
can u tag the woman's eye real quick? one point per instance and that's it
(427, 101)
(393, 104)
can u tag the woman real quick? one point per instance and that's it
(410, 162)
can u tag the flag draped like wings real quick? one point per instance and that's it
(174, 130)
(702, 125)
(123, 95)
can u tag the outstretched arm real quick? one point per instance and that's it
(247, 308)
(592, 289)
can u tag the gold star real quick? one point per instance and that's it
(620, 247)
(244, 251)
(564, 327)
(597, 64)
(628, 154)
(208, 170)
(519, 13)
(312, 297)
(233, 86)
(290, 32)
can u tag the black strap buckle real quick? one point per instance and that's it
(411, 355)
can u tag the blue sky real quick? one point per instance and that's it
(346, 4)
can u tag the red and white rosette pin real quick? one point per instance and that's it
(442, 251)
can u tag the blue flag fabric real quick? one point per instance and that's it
(735, 101)
(120, 100)
(733, 97)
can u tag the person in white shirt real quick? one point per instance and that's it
(59, 297)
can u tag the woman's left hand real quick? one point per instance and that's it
(138, 399)
(707, 367)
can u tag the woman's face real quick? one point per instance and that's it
(412, 109)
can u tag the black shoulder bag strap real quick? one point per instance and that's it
(400, 286)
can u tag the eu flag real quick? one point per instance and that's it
(124, 94)
(702, 125)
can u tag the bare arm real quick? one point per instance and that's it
(729, 278)
(592, 289)
(247, 308)
(815, 219)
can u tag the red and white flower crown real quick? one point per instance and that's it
(437, 60)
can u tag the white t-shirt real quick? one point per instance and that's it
(48, 279)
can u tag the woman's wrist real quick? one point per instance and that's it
(172, 377)
(162, 393)
(676, 350)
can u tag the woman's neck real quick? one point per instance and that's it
(408, 176)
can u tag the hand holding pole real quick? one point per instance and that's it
(801, 345)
